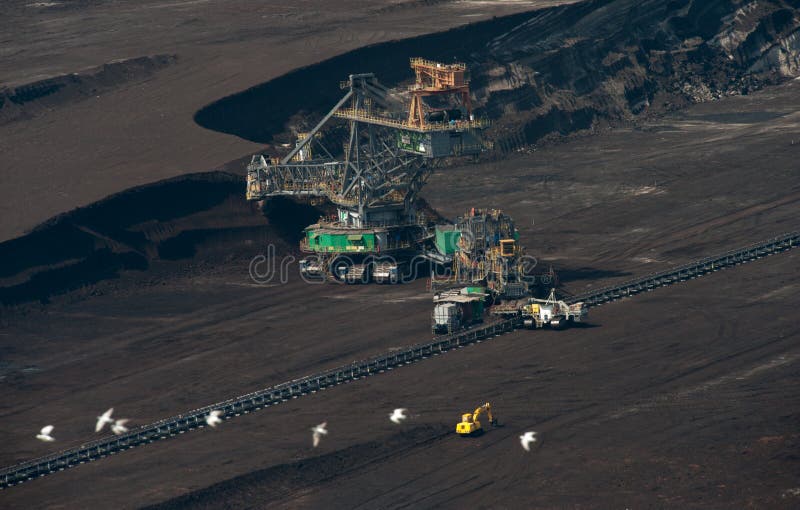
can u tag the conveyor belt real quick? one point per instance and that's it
(688, 271)
(273, 395)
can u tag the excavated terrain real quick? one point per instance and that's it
(562, 69)
(686, 397)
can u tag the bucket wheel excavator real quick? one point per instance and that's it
(392, 142)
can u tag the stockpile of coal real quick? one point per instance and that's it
(201, 217)
(30, 99)
(558, 70)
(262, 112)
(564, 69)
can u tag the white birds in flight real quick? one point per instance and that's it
(319, 431)
(117, 426)
(398, 415)
(213, 419)
(44, 434)
(526, 439)
(103, 419)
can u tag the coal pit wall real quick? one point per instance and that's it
(555, 71)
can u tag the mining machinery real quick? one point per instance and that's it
(536, 313)
(492, 276)
(485, 251)
(470, 424)
(551, 312)
(455, 309)
(393, 141)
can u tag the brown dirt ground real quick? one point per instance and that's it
(686, 397)
(683, 398)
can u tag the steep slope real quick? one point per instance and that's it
(567, 68)
(556, 70)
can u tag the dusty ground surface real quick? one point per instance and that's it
(683, 398)
(663, 193)
(136, 126)
(686, 397)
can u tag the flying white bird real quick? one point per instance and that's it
(319, 431)
(398, 415)
(213, 418)
(102, 420)
(44, 434)
(526, 439)
(118, 427)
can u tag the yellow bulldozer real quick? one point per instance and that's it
(470, 425)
